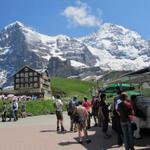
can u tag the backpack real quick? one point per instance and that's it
(96, 104)
(70, 108)
(14, 106)
(76, 117)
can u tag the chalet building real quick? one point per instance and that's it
(28, 81)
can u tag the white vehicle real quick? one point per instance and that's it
(143, 103)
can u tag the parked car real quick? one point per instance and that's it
(143, 104)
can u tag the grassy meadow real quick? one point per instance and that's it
(71, 87)
(66, 88)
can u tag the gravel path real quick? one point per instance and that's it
(39, 133)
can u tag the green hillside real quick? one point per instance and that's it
(71, 87)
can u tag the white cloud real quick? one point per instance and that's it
(81, 15)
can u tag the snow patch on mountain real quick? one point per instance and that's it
(118, 48)
(78, 64)
(112, 47)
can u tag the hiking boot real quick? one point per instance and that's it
(95, 125)
(107, 136)
(63, 130)
(80, 141)
(57, 128)
(88, 141)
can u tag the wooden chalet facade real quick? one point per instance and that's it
(28, 81)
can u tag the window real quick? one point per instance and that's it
(22, 85)
(31, 73)
(30, 79)
(26, 69)
(26, 85)
(35, 73)
(17, 75)
(35, 85)
(26, 74)
(35, 78)
(22, 74)
(26, 79)
(17, 80)
(31, 85)
(22, 80)
(17, 86)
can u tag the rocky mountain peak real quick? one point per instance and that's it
(112, 47)
(16, 24)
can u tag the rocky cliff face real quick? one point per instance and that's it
(126, 49)
(112, 47)
(20, 45)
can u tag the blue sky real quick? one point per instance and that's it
(77, 17)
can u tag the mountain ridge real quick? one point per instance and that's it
(126, 49)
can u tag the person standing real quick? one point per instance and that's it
(59, 113)
(23, 110)
(75, 101)
(87, 105)
(4, 111)
(11, 112)
(93, 92)
(70, 109)
(81, 121)
(15, 109)
(116, 126)
(95, 108)
(105, 116)
(125, 111)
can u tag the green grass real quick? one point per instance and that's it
(65, 87)
(71, 87)
(40, 107)
(34, 108)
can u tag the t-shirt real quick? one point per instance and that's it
(15, 106)
(87, 105)
(58, 104)
(82, 113)
(124, 112)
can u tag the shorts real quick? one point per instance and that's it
(59, 115)
(82, 125)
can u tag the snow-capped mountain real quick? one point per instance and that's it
(112, 47)
(21, 45)
(118, 48)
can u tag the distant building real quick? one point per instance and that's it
(28, 81)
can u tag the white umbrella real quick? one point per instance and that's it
(10, 95)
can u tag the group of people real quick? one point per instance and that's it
(81, 112)
(11, 110)
(125, 117)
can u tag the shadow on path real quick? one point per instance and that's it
(67, 143)
(100, 143)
